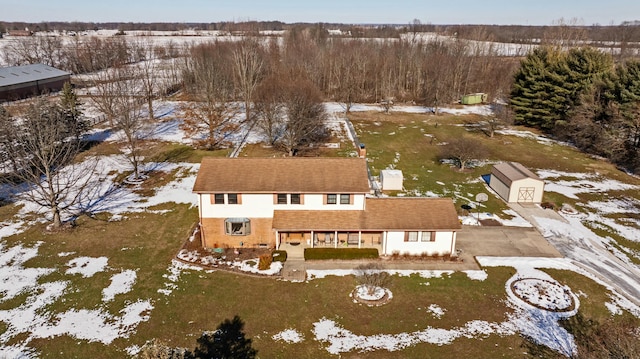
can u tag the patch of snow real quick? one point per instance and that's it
(86, 266)
(340, 340)
(480, 275)
(120, 283)
(246, 266)
(436, 311)
(288, 336)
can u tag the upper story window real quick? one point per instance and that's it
(335, 198)
(226, 198)
(288, 198)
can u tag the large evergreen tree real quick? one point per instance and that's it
(549, 83)
(537, 98)
(227, 342)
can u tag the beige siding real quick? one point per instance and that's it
(500, 187)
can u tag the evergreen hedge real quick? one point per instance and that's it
(340, 253)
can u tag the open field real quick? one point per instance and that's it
(133, 241)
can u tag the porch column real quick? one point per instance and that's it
(359, 238)
(312, 239)
(384, 242)
(453, 244)
(335, 239)
(277, 240)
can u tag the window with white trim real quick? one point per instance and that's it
(237, 226)
(345, 198)
(428, 236)
(411, 236)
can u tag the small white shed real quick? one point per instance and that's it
(391, 180)
(515, 183)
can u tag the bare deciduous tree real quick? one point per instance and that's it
(248, 68)
(463, 150)
(501, 117)
(305, 123)
(148, 72)
(210, 118)
(42, 157)
(270, 107)
(129, 119)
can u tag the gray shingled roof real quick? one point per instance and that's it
(508, 172)
(28, 73)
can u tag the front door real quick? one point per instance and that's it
(525, 194)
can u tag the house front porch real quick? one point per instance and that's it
(296, 242)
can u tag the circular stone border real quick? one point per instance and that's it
(566, 291)
(371, 303)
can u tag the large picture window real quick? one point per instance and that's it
(237, 226)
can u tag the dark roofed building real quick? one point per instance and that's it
(18, 82)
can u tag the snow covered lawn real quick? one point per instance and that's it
(98, 287)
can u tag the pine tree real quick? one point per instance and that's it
(227, 342)
(75, 122)
(549, 83)
(536, 97)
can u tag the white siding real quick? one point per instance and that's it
(391, 180)
(260, 205)
(442, 245)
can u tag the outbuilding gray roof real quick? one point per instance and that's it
(508, 172)
(28, 73)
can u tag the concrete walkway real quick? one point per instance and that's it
(529, 211)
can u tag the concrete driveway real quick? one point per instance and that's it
(503, 242)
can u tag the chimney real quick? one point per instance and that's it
(362, 152)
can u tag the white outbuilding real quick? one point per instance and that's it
(515, 183)
(391, 180)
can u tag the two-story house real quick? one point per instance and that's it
(315, 202)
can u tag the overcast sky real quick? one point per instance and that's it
(520, 12)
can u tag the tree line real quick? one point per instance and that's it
(582, 96)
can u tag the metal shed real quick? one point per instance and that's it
(17, 82)
(474, 98)
(515, 183)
